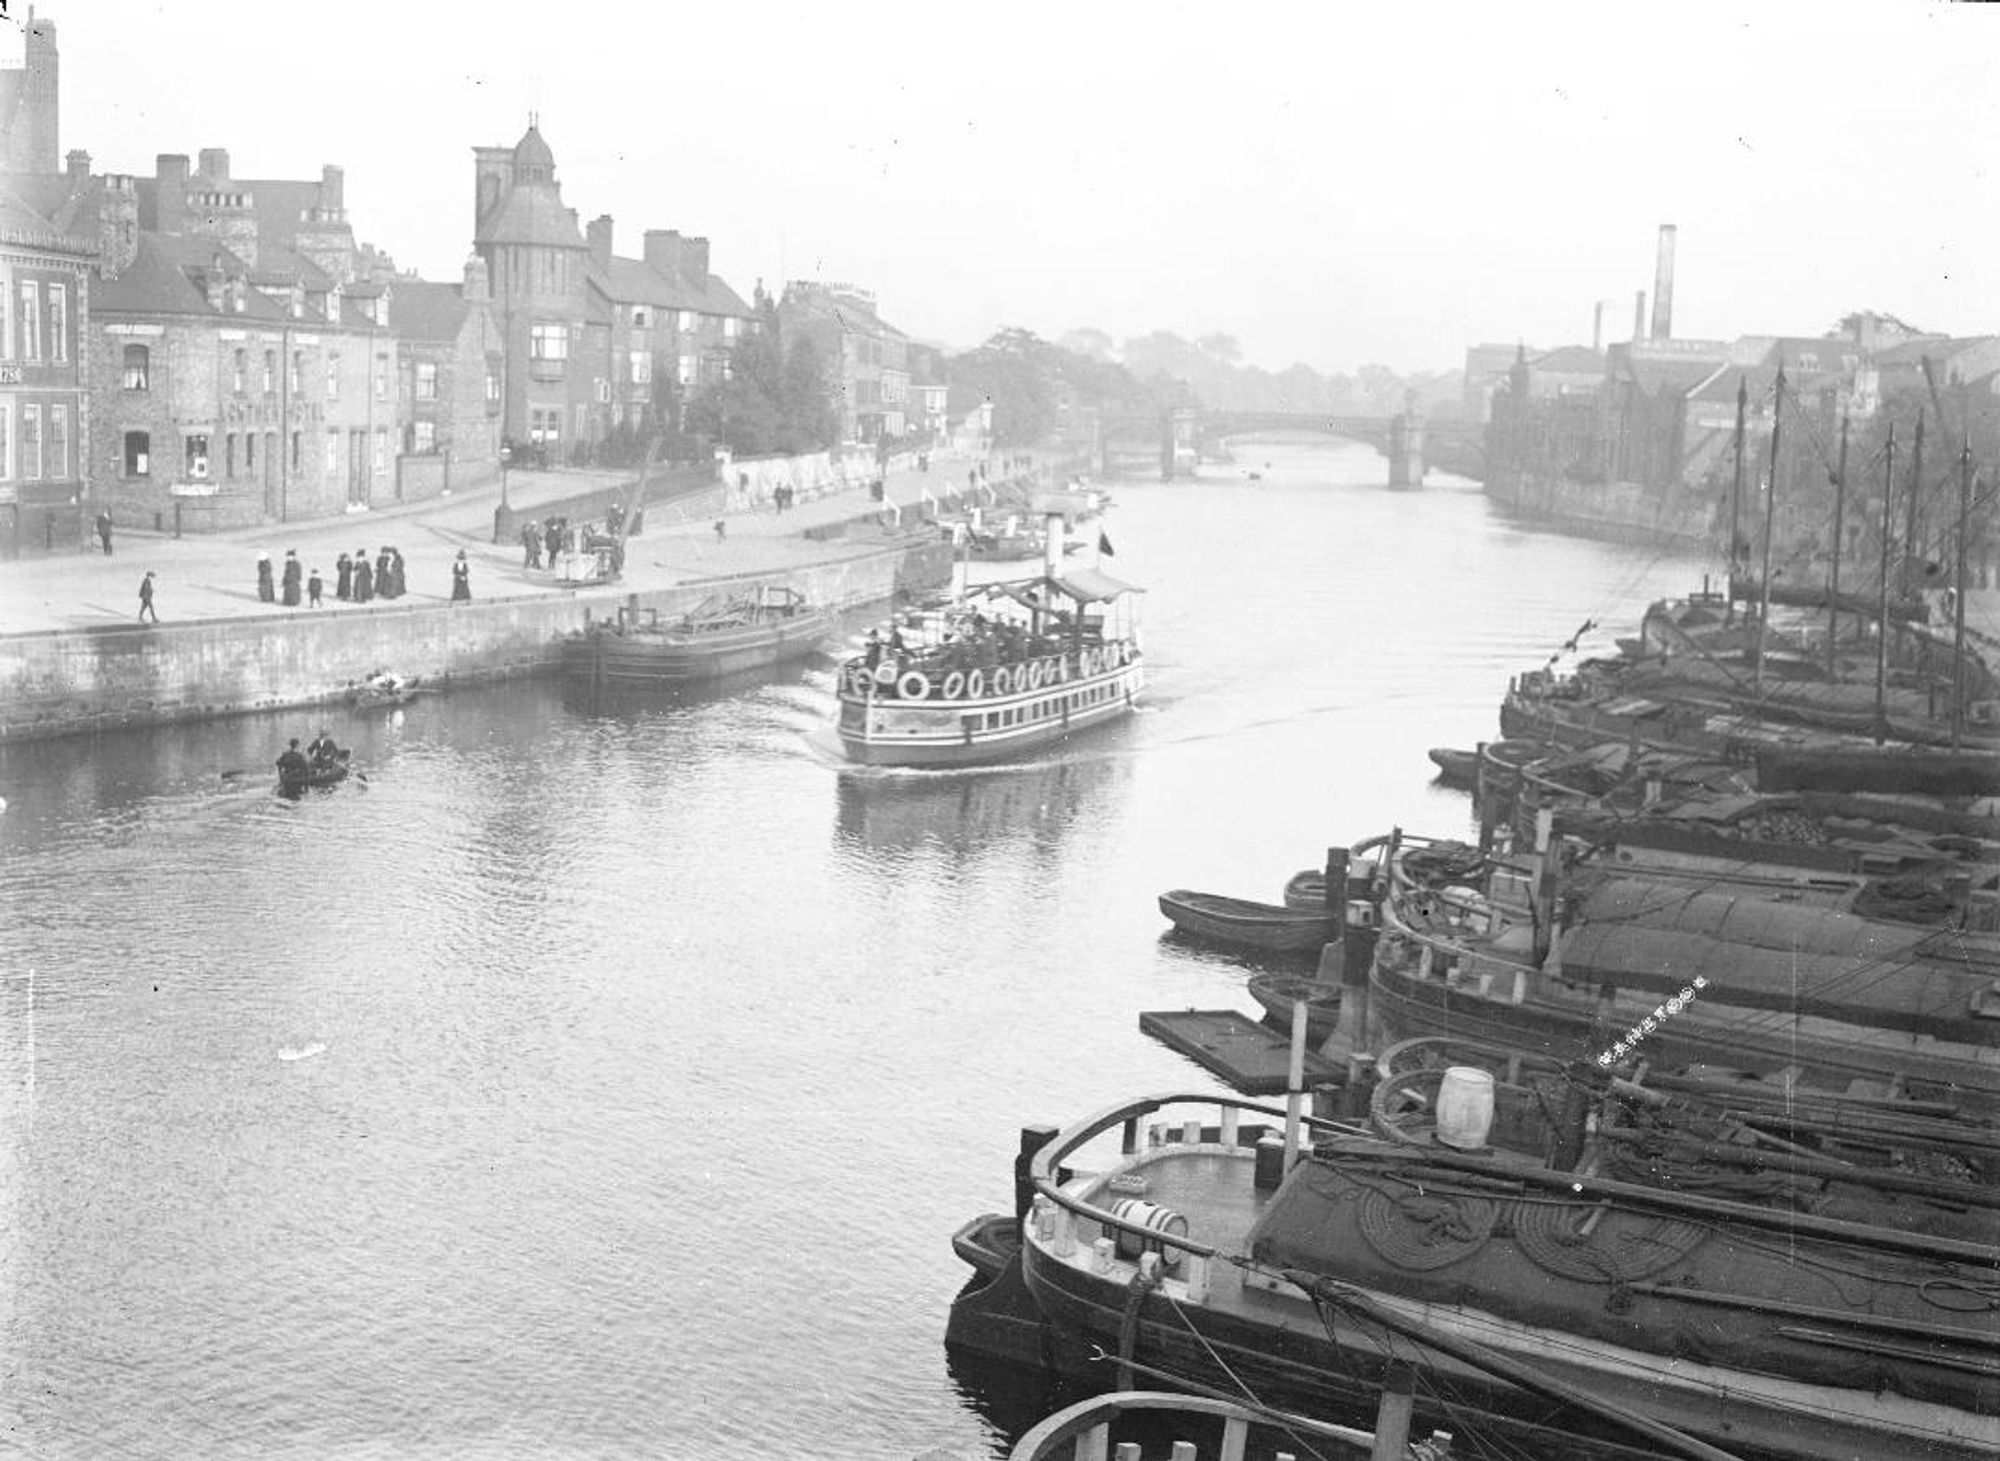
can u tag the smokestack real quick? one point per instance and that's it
(1663, 285)
(1597, 326)
(1638, 314)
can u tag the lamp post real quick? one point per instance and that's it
(500, 513)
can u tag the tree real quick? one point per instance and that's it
(810, 422)
(1223, 349)
(1089, 342)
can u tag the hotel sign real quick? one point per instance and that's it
(10, 375)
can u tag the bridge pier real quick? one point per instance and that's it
(1406, 450)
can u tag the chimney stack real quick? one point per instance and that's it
(476, 286)
(598, 235)
(1638, 314)
(1663, 285)
(214, 164)
(77, 164)
(1597, 326)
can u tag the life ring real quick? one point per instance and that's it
(885, 674)
(1003, 681)
(858, 679)
(914, 686)
(1093, 663)
(954, 683)
(975, 685)
(1034, 668)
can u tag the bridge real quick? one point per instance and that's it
(1410, 440)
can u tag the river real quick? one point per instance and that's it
(603, 1081)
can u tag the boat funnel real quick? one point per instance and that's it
(1052, 544)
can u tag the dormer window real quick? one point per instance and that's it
(638, 317)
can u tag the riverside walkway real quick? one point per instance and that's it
(214, 576)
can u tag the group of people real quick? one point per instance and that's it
(356, 579)
(295, 765)
(972, 641)
(290, 584)
(555, 536)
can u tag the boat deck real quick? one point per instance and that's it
(1245, 1052)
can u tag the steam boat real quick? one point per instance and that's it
(1003, 669)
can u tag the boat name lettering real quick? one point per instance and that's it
(1646, 1026)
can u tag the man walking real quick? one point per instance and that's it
(104, 530)
(146, 598)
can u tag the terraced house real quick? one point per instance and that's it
(672, 323)
(44, 376)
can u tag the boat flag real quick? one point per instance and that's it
(1104, 544)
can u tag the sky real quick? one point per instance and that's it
(1331, 183)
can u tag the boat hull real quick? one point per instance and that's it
(1240, 924)
(666, 658)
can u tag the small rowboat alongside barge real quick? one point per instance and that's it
(1240, 923)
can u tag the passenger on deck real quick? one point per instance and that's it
(872, 655)
(323, 752)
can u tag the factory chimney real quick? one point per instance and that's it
(1663, 286)
(1597, 326)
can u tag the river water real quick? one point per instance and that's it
(608, 1080)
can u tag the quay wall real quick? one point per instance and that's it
(77, 681)
(1628, 512)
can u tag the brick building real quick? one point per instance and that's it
(866, 359)
(452, 365)
(45, 373)
(554, 390)
(672, 322)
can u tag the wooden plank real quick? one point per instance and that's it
(1245, 1053)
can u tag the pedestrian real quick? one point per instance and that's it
(720, 531)
(396, 571)
(385, 580)
(294, 576)
(531, 545)
(264, 590)
(314, 586)
(461, 579)
(146, 598)
(364, 578)
(104, 530)
(343, 577)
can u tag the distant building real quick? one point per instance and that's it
(45, 303)
(672, 324)
(866, 359)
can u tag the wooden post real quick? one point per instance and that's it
(1736, 498)
(1833, 578)
(1913, 573)
(1295, 1083)
(1545, 885)
(1332, 952)
(1882, 596)
(1392, 1419)
(1958, 604)
(1770, 519)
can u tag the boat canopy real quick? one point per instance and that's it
(1089, 586)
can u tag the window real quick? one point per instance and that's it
(58, 441)
(298, 445)
(427, 380)
(423, 437)
(642, 367)
(229, 455)
(31, 321)
(545, 426)
(333, 375)
(381, 377)
(731, 327)
(381, 447)
(138, 454)
(492, 383)
(31, 442)
(548, 342)
(250, 452)
(195, 449)
(59, 322)
(239, 371)
(332, 452)
(6, 340)
(298, 370)
(138, 367)
(689, 369)
(638, 317)
(600, 392)
(270, 371)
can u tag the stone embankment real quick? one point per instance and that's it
(76, 662)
